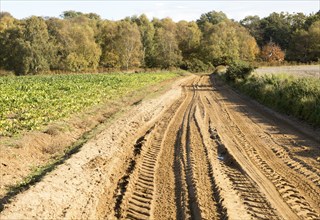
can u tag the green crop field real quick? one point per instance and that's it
(29, 102)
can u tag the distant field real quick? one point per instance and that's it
(29, 102)
(301, 71)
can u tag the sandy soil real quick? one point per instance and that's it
(199, 151)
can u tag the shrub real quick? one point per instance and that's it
(299, 97)
(195, 65)
(238, 70)
(220, 69)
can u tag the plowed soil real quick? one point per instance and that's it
(199, 151)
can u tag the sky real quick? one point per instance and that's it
(177, 10)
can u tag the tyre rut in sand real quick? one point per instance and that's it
(176, 174)
(210, 154)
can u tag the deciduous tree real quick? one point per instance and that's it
(272, 53)
(147, 32)
(167, 53)
(27, 47)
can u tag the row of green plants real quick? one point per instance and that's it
(295, 96)
(29, 102)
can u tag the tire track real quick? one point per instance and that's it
(140, 192)
(287, 182)
(206, 155)
(123, 182)
(221, 209)
(312, 173)
(282, 182)
(188, 203)
(193, 170)
(218, 116)
(255, 202)
(138, 196)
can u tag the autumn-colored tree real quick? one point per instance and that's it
(6, 21)
(272, 53)
(76, 48)
(248, 48)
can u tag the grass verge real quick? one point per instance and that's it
(295, 96)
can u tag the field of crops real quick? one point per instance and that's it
(29, 102)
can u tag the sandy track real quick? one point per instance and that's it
(199, 151)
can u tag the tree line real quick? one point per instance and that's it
(84, 42)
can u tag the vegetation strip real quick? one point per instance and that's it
(299, 97)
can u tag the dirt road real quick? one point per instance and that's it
(199, 151)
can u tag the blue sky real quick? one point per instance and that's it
(177, 10)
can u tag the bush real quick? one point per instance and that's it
(238, 70)
(195, 65)
(299, 97)
(220, 69)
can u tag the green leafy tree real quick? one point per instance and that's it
(305, 45)
(311, 19)
(147, 32)
(27, 47)
(107, 38)
(6, 22)
(129, 47)
(167, 53)
(253, 25)
(121, 44)
(276, 28)
(212, 17)
(73, 14)
(227, 41)
(188, 37)
(220, 44)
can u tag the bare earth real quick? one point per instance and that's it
(199, 151)
(300, 71)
